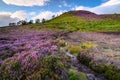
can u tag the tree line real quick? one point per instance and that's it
(24, 22)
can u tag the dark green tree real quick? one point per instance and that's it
(43, 20)
(37, 21)
(30, 22)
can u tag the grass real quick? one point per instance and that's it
(76, 49)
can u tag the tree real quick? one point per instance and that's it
(30, 22)
(19, 23)
(24, 22)
(53, 16)
(43, 20)
(37, 21)
(12, 24)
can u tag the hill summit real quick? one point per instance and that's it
(84, 13)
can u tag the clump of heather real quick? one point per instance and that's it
(84, 57)
(51, 67)
(34, 66)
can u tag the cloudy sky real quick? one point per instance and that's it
(15, 10)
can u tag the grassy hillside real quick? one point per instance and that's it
(83, 21)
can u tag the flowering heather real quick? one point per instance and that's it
(20, 52)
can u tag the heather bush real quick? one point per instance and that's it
(109, 71)
(62, 43)
(52, 68)
(99, 68)
(11, 70)
(84, 57)
(112, 73)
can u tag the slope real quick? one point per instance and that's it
(83, 21)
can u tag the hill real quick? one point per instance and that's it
(83, 21)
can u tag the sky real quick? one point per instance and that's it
(15, 10)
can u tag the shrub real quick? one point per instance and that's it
(11, 70)
(116, 76)
(62, 43)
(99, 68)
(84, 57)
(52, 68)
(75, 75)
(109, 71)
(112, 73)
(87, 45)
(74, 49)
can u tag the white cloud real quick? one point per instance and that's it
(19, 14)
(65, 4)
(8, 17)
(26, 2)
(111, 2)
(47, 15)
(80, 8)
(59, 6)
(109, 7)
(32, 13)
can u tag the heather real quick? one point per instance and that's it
(26, 53)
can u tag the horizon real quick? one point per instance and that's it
(13, 11)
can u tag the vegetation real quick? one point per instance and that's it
(76, 49)
(74, 75)
(109, 71)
